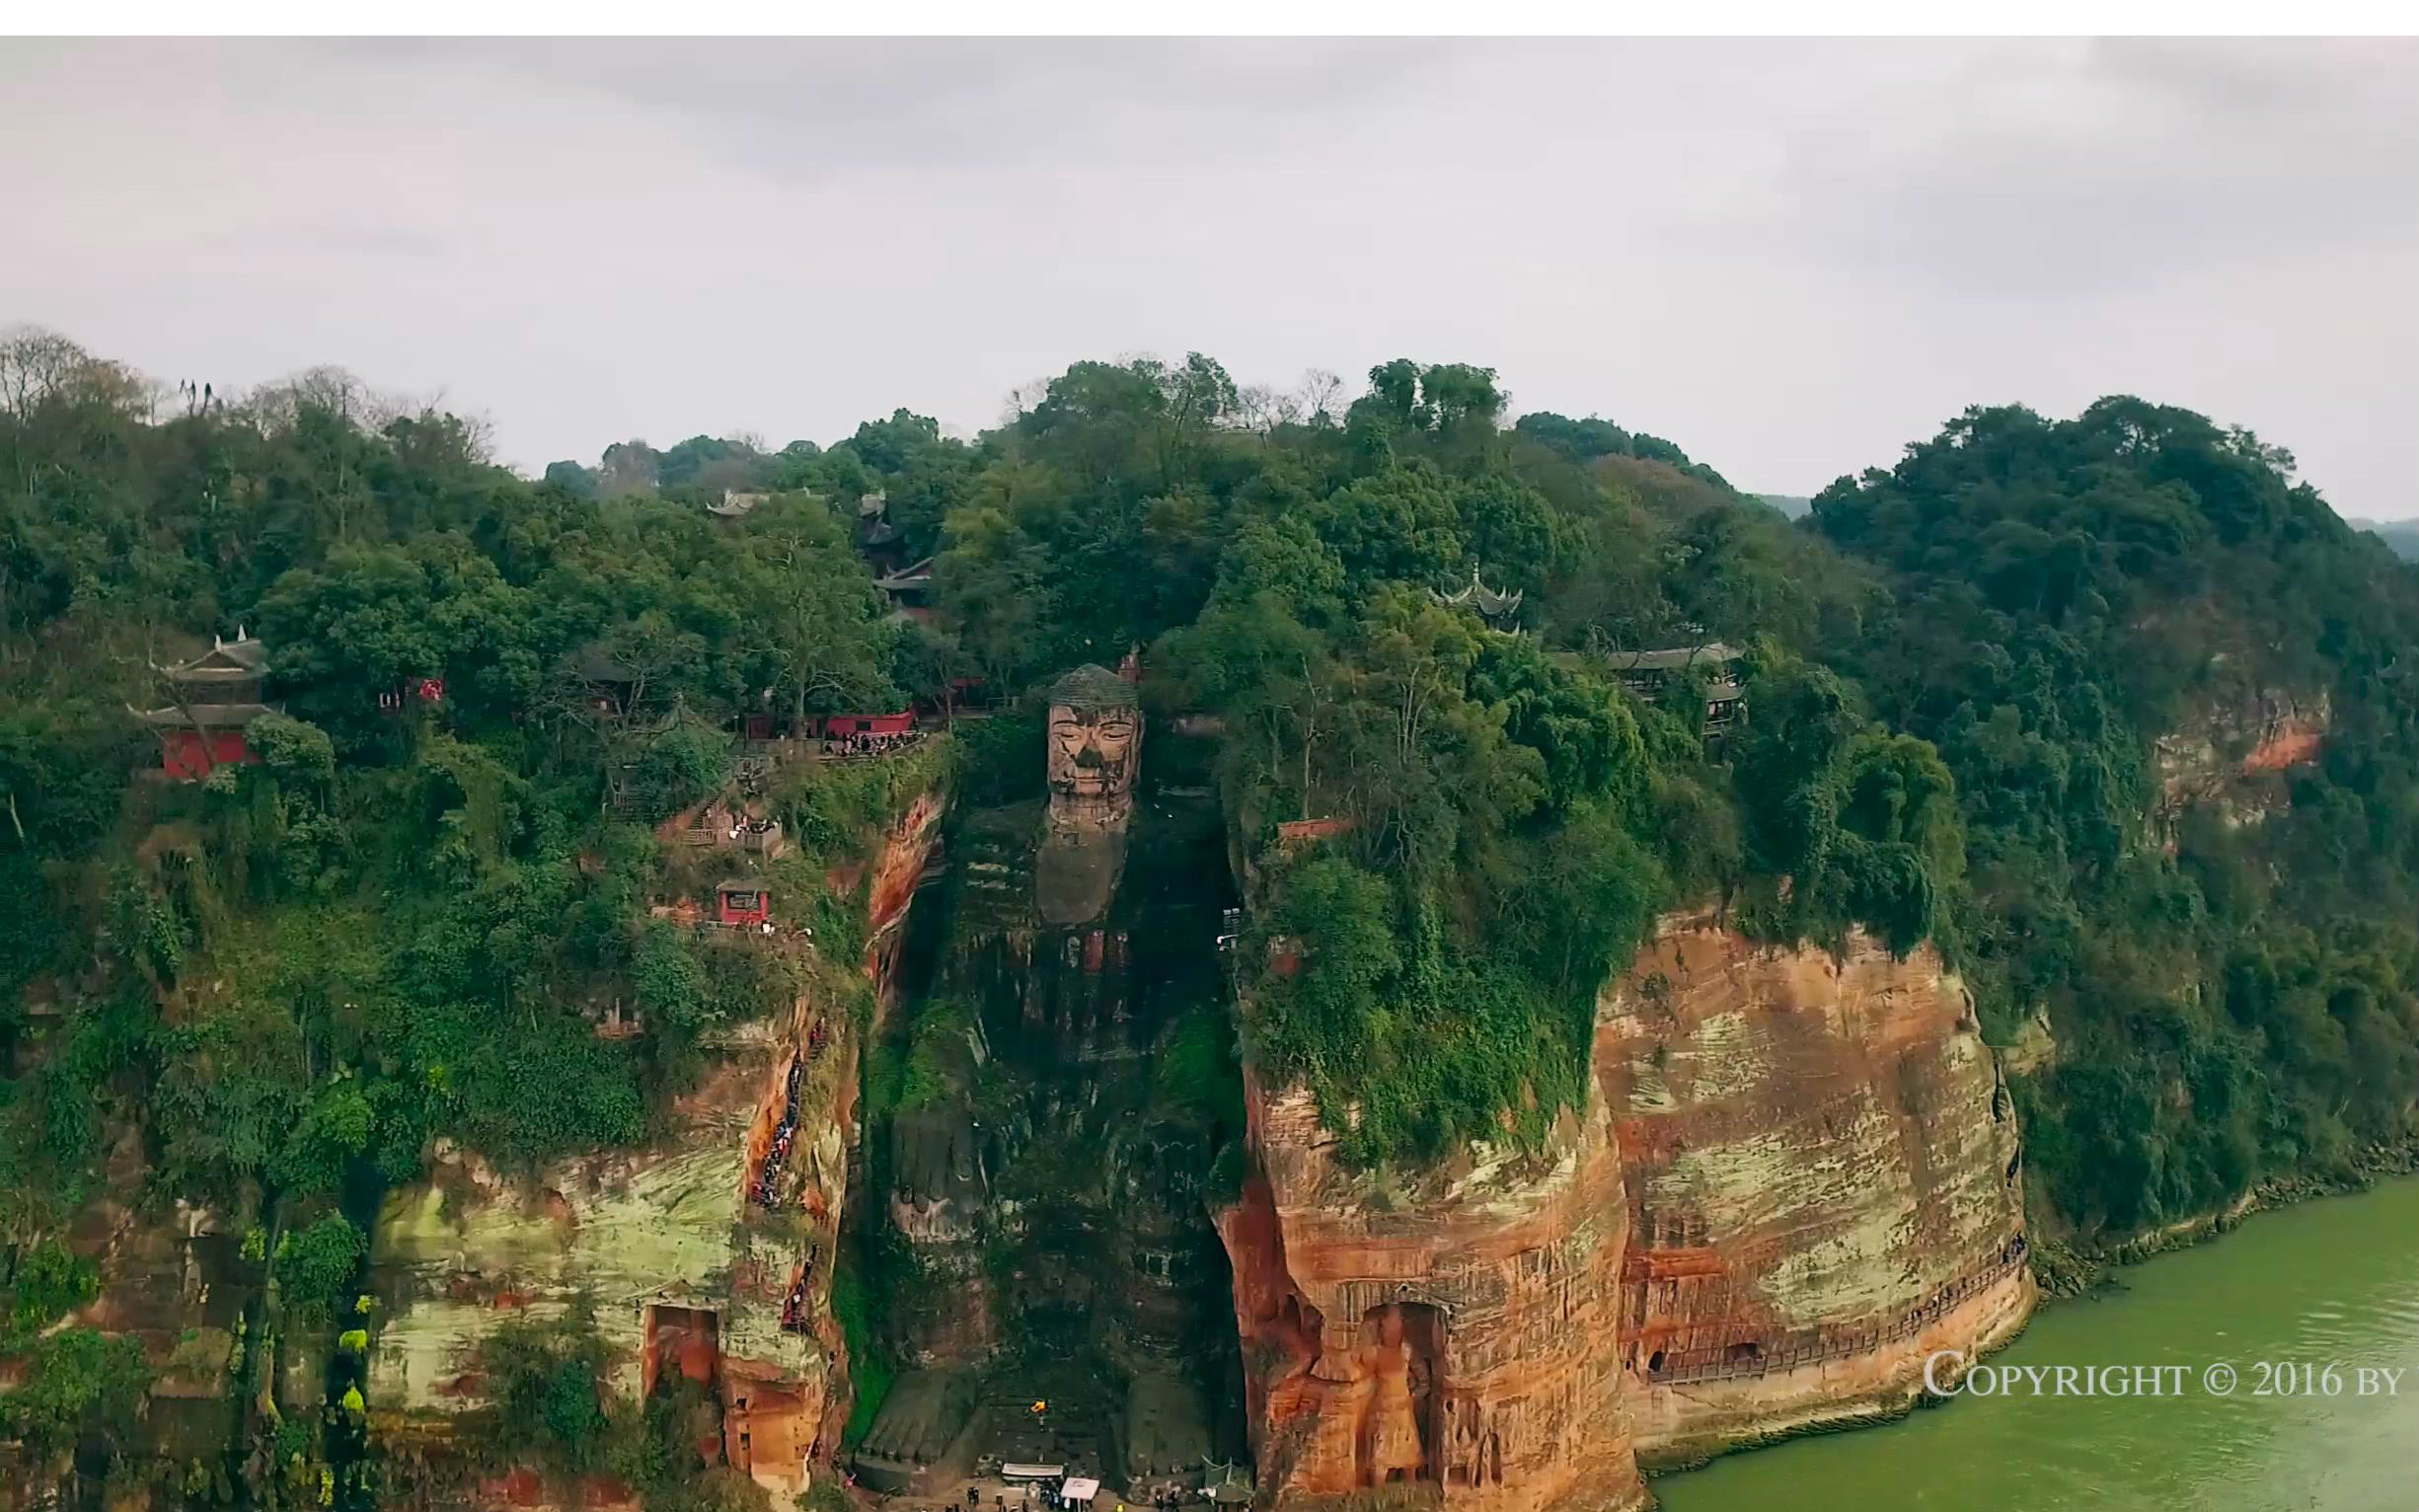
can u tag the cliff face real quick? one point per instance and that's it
(708, 1253)
(1798, 1176)
(2230, 755)
(1461, 1334)
(1049, 1187)
(898, 869)
(177, 1280)
(684, 1274)
(1823, 1176)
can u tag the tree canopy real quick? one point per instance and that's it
(2107, 627)
(1973, 685)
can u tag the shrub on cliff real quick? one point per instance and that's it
(315, 1266)
(76, 1382)
(543, 1378)
(41, 1281)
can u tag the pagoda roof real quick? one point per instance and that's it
(1485, 600)
(915, 574)
(207, 672)
(206, 716)
(225, 661)
(1093, 686)
(1669, 659)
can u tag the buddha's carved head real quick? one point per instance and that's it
(1096, 737)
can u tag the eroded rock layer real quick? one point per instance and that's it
(2231, 755)
(1822, 1181)
(708, 1253)
(683, 1274)
(1460, 1336)
(1799, 1176)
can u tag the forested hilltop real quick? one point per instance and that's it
(2111, 628)
(2108, 709)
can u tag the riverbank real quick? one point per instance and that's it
(2331, 1281)
(2063, 1271)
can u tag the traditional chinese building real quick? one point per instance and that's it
(609, 686)
(742, 903)
(213, 697)
(730, 822)
(878, 540)
(840, 726)
(1650, 674)
(910, 590)
(1497, 611)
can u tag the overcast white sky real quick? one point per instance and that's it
(1790, 258)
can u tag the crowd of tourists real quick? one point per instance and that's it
(785, 1133)
(795, 1317)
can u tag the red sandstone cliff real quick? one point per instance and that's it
(1459, 1333)
(2230, 755)
(708, 1253)
(1822, 1181)
(1798, 1176)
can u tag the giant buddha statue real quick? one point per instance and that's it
(1094, 749)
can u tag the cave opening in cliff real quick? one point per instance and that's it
(1297, 1330)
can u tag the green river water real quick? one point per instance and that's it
(2332, 1281)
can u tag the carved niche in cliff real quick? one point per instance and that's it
(1372, 1410)
(1395, 1366)
(683, 1340)
(1095, 751)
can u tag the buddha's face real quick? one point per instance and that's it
(1092, 750)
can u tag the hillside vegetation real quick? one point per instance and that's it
(270, 991)
(2230, 991)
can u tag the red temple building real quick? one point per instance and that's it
(742, 904)
(214, 696)
(840, 726)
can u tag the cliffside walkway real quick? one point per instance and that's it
(1721, 1364)
(764, 1190)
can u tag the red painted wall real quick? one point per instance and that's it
(743, 916)
(186, 754)
(841, 725)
